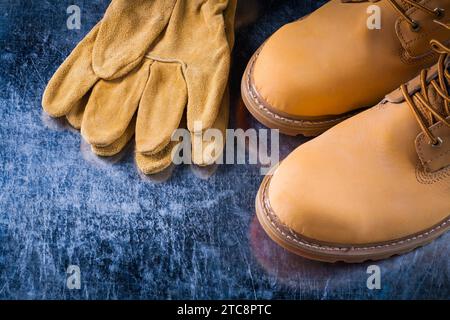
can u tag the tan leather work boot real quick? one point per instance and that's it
(373, 186)
(316, 72)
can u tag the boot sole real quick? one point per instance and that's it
(266, 114)
(329, 252)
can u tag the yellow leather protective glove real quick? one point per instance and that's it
(137, 71)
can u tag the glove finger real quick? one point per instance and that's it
(155, 163)
(207, 78)
(205, 92)
(73, 79)
(207, 149)
(206, 84)
(76, 113)
(207, 154)
(128, 30)
(112, 106)
(118, 145)
(161, 107)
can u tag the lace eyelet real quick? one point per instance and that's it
(415, 26)
(438, 143)
(440, 12)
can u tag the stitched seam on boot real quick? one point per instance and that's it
(407, 59)
(421, 35)
(421, 153)
(424, 177)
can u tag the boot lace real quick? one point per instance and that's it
(425, 113)
(415, 25)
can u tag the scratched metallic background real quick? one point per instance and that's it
(188, 236)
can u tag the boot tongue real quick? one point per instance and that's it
(436, 100)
